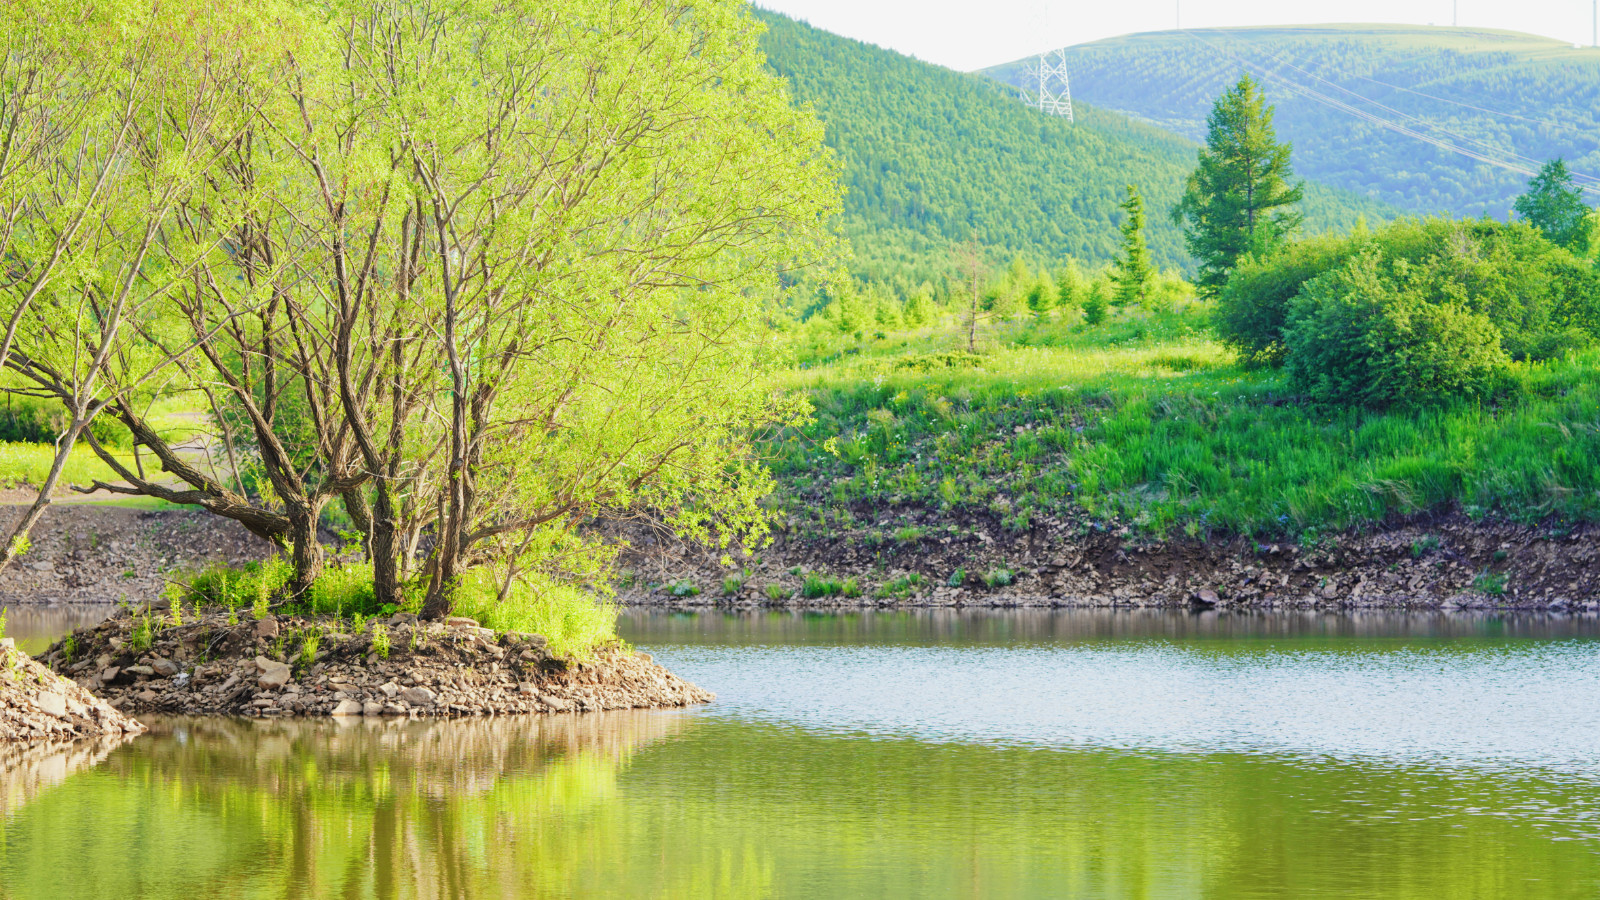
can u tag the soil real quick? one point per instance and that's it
(1443, 561)
(142, 662)
(95, 553)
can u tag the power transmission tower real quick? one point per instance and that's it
(1052, 92)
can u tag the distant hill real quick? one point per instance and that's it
(931, 156)
(1499, 94)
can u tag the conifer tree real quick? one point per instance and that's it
(1239, 199)
(1133, 271)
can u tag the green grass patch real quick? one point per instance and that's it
(1163, 432)
(29, 464)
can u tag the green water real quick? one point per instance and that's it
(1018, 755)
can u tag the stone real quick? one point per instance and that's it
(346, 708)
(460, 622)
(267, 628)
(1206, 597)
(372, 708)
(45, 566)
(166, 668)
(50, 702)
(140, 670)
(275, 678)
(390, 690)
(392, 709)
(418, 696)
(109, 674)
(181, 680)
(8, 643)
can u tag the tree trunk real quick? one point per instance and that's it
(305, 551)
(383, 548)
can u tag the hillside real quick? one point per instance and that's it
(1514, 98)
(930, 156)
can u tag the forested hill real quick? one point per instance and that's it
(1497, 94)
(931, 156)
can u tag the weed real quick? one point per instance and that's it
(776, 592)
(957, 578)
(732, 584)
(69, 648)
(821, 586)
(1424, 545)
(1500, 556)
(1000, 577)
(308, 649)
(143, 635)
(910, 534)
(850, 588)
(684, 588)
(1491, 583)
(900, 588)
(380, 640)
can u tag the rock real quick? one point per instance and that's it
(45, 566)
(267, 628)
(372, 708)
(346, 708)
(390, 690)
(1205, 598)
(392, 709)
(51, 703)
(109, 674)
(180, 680)
(275, 677)
(166, 668)
(460, 622)
(139, 670)
(418, 696)
(8, 643)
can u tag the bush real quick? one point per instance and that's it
(1368, 334)
(1254, 304)
(32, 420)
(1543, 301)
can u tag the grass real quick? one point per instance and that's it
(574, 622)
(1146, 422)
(29, 464)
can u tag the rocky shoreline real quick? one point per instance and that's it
(220, 664)
(37, 704)
(919, 558)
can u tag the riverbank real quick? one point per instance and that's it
(224, 664)
(38, 705)
(914, 557)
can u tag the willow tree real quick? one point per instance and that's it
(485, 274)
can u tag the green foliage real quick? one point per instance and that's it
(1096, 302)
(1253, 305)
(380, 640)
(312, 641)
(1464, 80)
(1142, 421)
(1001, 577)
(777, 592)
(3, 612)
(1424, 545)
(143, 634)
(732, 584)
(900, 588)
(1554, 205)
(1366, 334)
(1238, 200)
(683, 587)
(1490, 582)
(816, 586)
(574, 621)
(1133, 273)
(931, 157)
(957, 578)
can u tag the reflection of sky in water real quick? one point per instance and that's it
(1525, 705)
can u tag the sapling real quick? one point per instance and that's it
(380, 640)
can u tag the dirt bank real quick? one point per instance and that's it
(293, 666)
(93, 553)
(913, 557)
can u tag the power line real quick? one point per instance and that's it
(1486, 146)
(1335, 103)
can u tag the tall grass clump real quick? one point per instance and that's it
(574, 621)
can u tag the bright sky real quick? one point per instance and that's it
(971, 34)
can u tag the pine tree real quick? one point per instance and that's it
(1554, 205)
(1239, 199)
(1133, 272)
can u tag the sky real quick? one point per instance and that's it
(971, 34)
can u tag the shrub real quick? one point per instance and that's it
(1253, 306)
(1096, 302)
(1368, 334)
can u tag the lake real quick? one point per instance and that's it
(914, 754)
